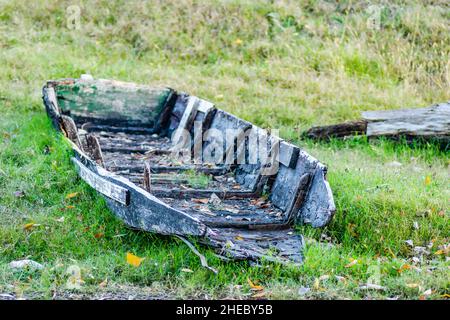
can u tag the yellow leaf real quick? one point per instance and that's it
(254, 286)
(316, 284)
(238, 238)
(412, 285)
(238, 42)
(30, 226)
(446, 296)
(439, 252)
(134, 260)
(70, 207)
(71, 195)
(427, 180)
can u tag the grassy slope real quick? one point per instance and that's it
(280, 65)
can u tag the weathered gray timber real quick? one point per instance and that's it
(425, 123)
(124, 138)
(433, 121)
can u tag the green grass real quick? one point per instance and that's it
(280, 65)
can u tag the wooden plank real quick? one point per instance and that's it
(205, 106)
(186, 120)
(318, 207)
(381, 115)
(112, 102)
(102, 185)
(433, 121)
(290, 180)
(202, 193)
(288, 154)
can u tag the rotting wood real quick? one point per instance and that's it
(129, 150)
(147, 176)
(426, 123)
(338, 130)
(70, 130)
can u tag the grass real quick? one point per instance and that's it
(278, 64)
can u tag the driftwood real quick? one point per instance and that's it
(125, 136)
(426, 123)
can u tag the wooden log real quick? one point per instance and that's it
(426, 123)
(433, 121)
(337, 130)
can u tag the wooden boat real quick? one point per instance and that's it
(126, 137)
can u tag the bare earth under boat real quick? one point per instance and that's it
(122, 135)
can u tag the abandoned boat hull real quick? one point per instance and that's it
(120, 136)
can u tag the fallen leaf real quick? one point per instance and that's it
(412, 285)
(238, 238)
(134, 260)
(70, 207)
(99, 235)
(427, 180)
(238, 42)
(104, 283)
(30, 226)
(446, 296)
(254, 286)
(404, 268)
(316, 285)
(61, 219)
(201, 200)
(352, 263)
(71, 195)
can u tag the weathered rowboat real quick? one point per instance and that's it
(127, 141)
